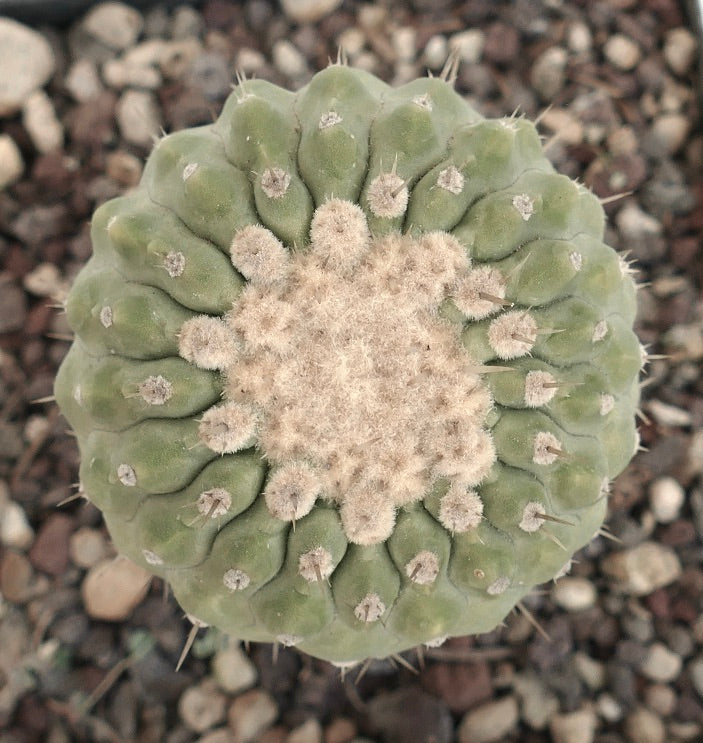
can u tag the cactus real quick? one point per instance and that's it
(353, 366)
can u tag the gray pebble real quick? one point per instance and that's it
(548, 72)
(209, 73)
(537, 704)
(13, 304)
(661, 664)
(668, 133)
(27, 62)
(186, 23)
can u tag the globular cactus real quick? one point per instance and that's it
(353, 367)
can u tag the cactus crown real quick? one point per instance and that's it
(353, 366)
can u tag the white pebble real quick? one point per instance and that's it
(490, 722)
(249, 60)
(15, 531)
(403, 41)
(661, 664)
(644, 726)
(40, 120)
(309, 732)
(566, 126)
(138, 117)
(468, 44)
(644, 568)
(591, 672)
(45, 281)
(250, 714)
(202, 707)
(695, 670)
(680, 48)
(114, 24)
(308, 11)
(27, 62)
(352, 41)
(666, 497)
(574, 594)
(670, 130)
(579, 38)
(11, 162)
(609, 708)
(435, 52)
(669, 415)
(622, 52)
(636, 225)
(233, 670)
(288, 60)
(83, 81)
(574, 727)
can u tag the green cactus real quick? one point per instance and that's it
(353, 366)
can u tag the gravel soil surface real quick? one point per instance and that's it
(613, 652)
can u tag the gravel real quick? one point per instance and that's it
(615, 85)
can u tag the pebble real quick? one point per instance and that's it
(250, 61)
(680, 49)
(114, 24)
(574, 594)
(112, 588)
(644, 726)
(11, 162)
(138, 117)
(434, 54)
(579, 38)
(41, 123)
(124, 168)
(640, 230)
(45, 281)
(661, 699)
(669, 133)
(119, 74)
(490, 722)
(288, 60)
(590, 671)
(87, 547)
(468, 45)
(177, 57)
(83, 80)
(666, 498)
(309, 732)
(538, 704)
(548, 72)
(661, 664)
(222, 735)
(460, 685)
(233, 670)
(209, 73)
(644, 568)
(27, 62)
(409, 713)
(308, 11)
(695, 670)
(609, 708)
(186, 23)
(574, 727)
(202, 707)
(622, 52)
(49, 552)
(250, 714)
(340, 730)
(15, 530)
(567, 127)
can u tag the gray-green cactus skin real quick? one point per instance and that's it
(353, 367)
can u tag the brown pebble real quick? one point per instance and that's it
(15, 577)
(502, 44)
(50, 550)
(460, 686)
(340, 730)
